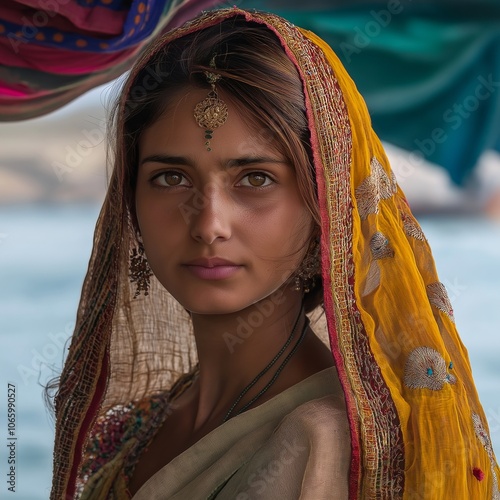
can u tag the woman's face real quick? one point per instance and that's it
(238, 202)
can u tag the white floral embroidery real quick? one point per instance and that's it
(438, 297)
(426, 369)
(377, 186)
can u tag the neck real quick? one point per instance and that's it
(234, 348)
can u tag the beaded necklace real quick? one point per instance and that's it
(268, 367)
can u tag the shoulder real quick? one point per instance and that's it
(316, 436)
(307, 456)
(318, 416)
(311, 431)
(322, 420)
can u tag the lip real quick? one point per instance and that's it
(213, 273)
(212, 268)
(210, 262)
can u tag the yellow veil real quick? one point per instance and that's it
(418, 430)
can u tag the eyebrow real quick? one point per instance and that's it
(236, 162)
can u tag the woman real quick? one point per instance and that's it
(248, 191)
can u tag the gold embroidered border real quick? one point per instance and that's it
(484, 439)
(382, 451)
(85, 359)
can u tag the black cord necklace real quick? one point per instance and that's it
(267, 368)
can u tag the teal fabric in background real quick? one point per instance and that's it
(429, 69)
(430, 73)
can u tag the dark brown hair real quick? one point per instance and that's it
(258, 77)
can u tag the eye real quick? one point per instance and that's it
(170, 179)
(256, 179)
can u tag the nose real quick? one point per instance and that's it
(212, 211)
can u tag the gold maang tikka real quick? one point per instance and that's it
(212, 111)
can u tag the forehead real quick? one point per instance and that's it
(177, 130)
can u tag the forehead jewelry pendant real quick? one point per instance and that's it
(212, 111)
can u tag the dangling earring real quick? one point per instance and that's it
(139, 270)
(310, 267)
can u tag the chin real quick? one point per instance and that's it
(200, 300)
(217, 298)
(212, 307)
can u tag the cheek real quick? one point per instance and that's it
(161, 226)
(279, 231)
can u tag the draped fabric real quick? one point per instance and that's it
(52, 51)
(429, 71)
(291, 458)
(265, 453)
(433, 67)
(417, 427)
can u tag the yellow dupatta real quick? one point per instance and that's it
(418, 430)
(396, 334)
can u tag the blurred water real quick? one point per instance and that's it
(44, 252)
(43, 256)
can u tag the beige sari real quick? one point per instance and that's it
(281, 449)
